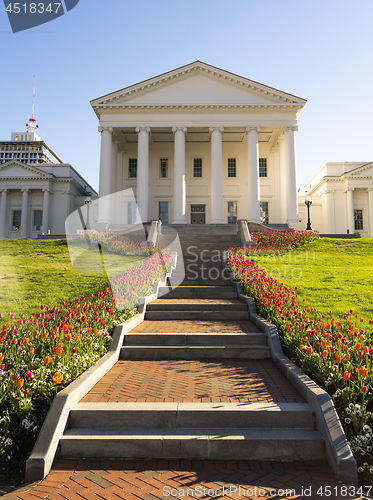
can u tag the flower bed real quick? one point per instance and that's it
(337, 352)
(42, 353)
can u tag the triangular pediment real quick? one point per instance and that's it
(365, 170)
(198, 83)
(17, 169)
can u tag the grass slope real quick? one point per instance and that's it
(34, 272)
(330, 274)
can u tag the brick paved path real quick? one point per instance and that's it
(154, 479)
(229, 381)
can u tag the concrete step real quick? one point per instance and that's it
(204, 283)
(208, 292)
(213, 315)
(213, 444)
(192, 415)
(186, 339)
(205, 305)
(226, 351)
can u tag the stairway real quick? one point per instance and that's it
(195, 322)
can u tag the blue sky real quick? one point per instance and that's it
(318, 50)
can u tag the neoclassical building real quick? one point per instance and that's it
(200, 145)
(342, 199)
(38, 191)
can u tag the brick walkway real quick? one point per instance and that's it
(158, 479)
(234, 381)
(195, 326)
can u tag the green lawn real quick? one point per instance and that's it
(34, 272)
(330, 274)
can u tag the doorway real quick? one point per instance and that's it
(198, 214)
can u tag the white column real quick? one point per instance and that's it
(350, 211)
(179, 176)
(291, 176)
(253, 173)
(327, 215)
(216, 176)
(281, 143)
(105, 174)
(45, 226)
(3, 211)
(143, 173)
(113, 175)
(370, 211)
(25, 213)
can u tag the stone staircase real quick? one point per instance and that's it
(213, 430)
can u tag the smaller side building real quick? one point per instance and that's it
(38, 191)
(342, 199)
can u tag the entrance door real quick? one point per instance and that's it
(198, 214)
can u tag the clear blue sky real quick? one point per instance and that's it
(319, 50)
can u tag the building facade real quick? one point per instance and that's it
(38, 191)
(342, 199)
(200, 145)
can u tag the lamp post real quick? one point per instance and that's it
(88, 202)
(308, 202)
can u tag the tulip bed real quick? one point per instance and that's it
(43, 352)
(336, 351)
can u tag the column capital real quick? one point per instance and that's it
(140, 129)
(249, 129)
(46, 190)
(4, 191)
(105, 129)
(183, 129)
(25, 190)
(294, 128)
(349, 189)
(213, 129)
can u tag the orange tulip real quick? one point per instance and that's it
(347, 357)
(309, 349)
(45, 335)
(26, 341)
(358, 346)
(301, 347)
(57, 378)
(363, 371)
(338, 358)
(68, 337)
(20, 383)
(31, 351)
(345, 347)
(325, 354)
(366, 350)
(324, 342)
(76, 338)
(47, 360)
(346, 376)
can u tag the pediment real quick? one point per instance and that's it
(198, 83)
(365, 170)
(17, 169)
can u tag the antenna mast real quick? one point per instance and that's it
(31, 126)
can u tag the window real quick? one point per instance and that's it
(232, 212)
(132, 169)
(163, 212)
(262, 167)
(358, 217)
(132, 212)
(264, 212)
(163, 168)
(17, 220)
(38, 219)
(231, 167)
(197, 167)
